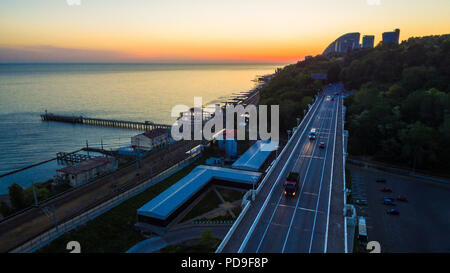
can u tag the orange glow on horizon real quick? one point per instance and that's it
(205, 31)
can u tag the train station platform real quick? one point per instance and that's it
(255, 156)
(161, 210)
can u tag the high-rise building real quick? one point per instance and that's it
(368, 41)
(392, 37)
(344, 43)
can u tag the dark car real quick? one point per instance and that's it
(393, 211)
(290, 188)
(386, 189)
(388, 201)
(402, 198)
(322, 145)
(291, 184)
(381, 180)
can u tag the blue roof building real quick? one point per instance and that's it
(255, 157)
(161, 210)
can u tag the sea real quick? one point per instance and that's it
(135, 92)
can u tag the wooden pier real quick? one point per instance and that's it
(142, 126)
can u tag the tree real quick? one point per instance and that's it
(5, 210)
(207, 238)
(17, 196)
(333, 73)
(419, 145)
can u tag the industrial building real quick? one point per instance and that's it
(226, 140)
(85, 171)
(161, 210)
(150, 140)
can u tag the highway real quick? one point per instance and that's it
(312, 221)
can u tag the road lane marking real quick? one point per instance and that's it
(313, 157)
(310, 193)
(320, 187)
(311, 210)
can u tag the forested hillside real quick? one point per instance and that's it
(400, 109)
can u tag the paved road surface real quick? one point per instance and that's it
(313, 220)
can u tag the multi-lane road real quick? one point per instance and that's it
(313, 220)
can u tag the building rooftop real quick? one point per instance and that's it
(87, 165)
(155, 132)
(162, 206)
(254, 157)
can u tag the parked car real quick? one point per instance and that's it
(388, 201)
(402, 198)
(322, 145)
(381, 180)
(361, 202)
(386, 189)
(393, 211)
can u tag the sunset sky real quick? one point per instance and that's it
(201, 30)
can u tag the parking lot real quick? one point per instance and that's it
(423, 224)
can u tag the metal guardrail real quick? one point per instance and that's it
(46, 237)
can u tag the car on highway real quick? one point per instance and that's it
(386, 189)
(291, 184)
(402, 198)
(388, 201)
(313, 134)
(393, 211)
(322, 145)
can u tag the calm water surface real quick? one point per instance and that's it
(136, 92)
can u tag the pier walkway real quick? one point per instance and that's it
(143, 126)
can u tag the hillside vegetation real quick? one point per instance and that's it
(400, 109)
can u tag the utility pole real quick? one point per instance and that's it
(101, 141)
(138, 156)
(54, 216)
(36, 203)
(151, 170)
